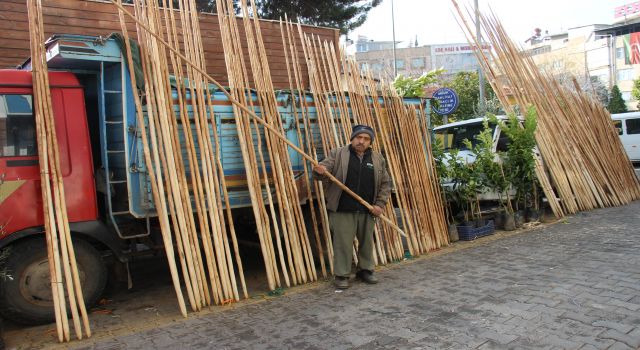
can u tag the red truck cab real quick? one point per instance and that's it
(26, 297)
(20, 198)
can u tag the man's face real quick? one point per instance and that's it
(361, 142)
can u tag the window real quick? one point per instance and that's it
(626, 95)
(17, 126)
(633, 126)
(625, 74)
(400, 64)
(618, 125)
(418, 62)
(620, 53)
(453, 137)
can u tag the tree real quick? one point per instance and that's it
(414, 87)
(467, 86)
(593, 86)
(616, 103)
(343, 14)
(635, 91)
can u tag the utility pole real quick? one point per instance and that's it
(483, 107)
(393, 33)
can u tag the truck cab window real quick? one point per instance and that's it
(17, 126)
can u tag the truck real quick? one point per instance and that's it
(109, 201)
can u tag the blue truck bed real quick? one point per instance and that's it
(128, 191)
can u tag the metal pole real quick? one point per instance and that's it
(393, 33)
(483, 107)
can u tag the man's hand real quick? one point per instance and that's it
(320, 169)
(376, 210)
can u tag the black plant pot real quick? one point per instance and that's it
(453, 233)
(533, 215)
(498, 220)
(519, 218)
(509, 222)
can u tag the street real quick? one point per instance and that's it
(569, 285)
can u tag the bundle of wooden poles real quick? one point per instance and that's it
(344, 96)
(285, 243)
(63, 268)
(188, 183)
(583, 164)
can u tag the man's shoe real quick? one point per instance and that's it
(341, 282)
(367, 276)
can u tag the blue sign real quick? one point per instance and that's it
(447, 101)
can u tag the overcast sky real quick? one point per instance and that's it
(433, 21)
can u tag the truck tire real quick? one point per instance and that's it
(26, 296)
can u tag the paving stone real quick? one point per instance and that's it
(630, 340)
(622, 328)
(557, 287)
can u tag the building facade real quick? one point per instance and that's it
(416, 60)
(605, 53)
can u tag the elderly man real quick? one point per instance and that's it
(364, 172)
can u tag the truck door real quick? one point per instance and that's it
(20, 189)
(19, 168)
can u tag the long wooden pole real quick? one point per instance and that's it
(255, 117)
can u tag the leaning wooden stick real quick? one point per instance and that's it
(266, 125)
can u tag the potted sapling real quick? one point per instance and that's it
(519, 161)
(491, 173)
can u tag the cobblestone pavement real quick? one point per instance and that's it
(571, 285)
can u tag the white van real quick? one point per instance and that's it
(628, 125)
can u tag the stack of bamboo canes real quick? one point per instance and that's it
(62, 261)
(182, 159)
(401, 133)
(580, 148)
(284, 220)
(297, 245)
(270, 178)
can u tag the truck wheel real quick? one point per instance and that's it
(26, 296)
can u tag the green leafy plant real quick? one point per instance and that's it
(635, 91)
(414, 87)
(488, 165)
(465, 185)
(467, 86)
(442, 170)
(519, 161)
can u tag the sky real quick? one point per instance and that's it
(433, 22)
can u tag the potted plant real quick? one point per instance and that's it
(491, 173)
(443, 172)
(463, 187)
(519, 161)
